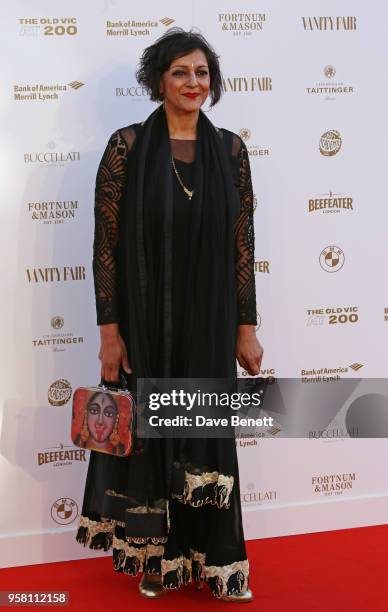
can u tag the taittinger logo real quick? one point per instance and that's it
(253, 150)
(57, 341)
(329, 89)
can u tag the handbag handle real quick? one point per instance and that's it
(115, 386)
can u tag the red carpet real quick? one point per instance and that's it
(331, 571)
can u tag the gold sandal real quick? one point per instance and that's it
(245, 597)
(151, 588)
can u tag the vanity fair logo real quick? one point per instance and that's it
(136, 27)
(252, 495)
(316, 375)
(251, 84)
(333, 23)
(253, 150)
(59, 392)
(330, 203)
(42, 92)
(331, 259)
(64, 511)
(56, 275)
(329, 90)
(47, 26)
(53, 212)
(58, 341)
(59, 456)
(332, 315)
(333, 484)
(51, 157)
(330, 143)
(242, 24)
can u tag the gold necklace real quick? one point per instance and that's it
(187, 191)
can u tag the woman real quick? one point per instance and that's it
(175, 294)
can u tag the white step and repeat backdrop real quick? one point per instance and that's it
(306, 87)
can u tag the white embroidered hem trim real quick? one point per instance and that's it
(219, 495)
(228, 579)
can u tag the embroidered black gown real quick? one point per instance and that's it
(205, 540)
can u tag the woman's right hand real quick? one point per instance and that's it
(113, 353)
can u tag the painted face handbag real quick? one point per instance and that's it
(103, 418)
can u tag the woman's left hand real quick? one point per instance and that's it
(249, 351)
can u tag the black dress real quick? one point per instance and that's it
(205, 539)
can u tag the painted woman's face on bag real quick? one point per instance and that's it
(102, 412)
(185, 85)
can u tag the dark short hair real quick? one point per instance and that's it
(174, 43)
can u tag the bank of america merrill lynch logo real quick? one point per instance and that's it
(76, 84)
(166, 21)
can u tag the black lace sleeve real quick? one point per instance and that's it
(110, 187)
(245, 242)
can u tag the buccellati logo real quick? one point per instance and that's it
(331, 259)
(59, 392)
(64, 511)
(330, 143)
(252, 495)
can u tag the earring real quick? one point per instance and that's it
(114, 437)
(85, 431)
